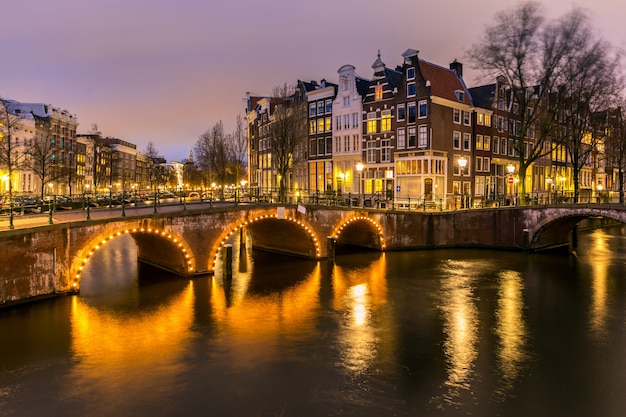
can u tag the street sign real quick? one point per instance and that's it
(509, 180)
(397, 188)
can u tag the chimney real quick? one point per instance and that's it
(458, 67)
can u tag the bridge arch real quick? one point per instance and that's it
(555, 229)
(258, 226)
(181, 262)
(360, 231)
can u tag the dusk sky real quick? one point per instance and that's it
(166, 70)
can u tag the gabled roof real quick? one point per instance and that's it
(394, 78)
(362, 85)
(444, 82)
(484, 95)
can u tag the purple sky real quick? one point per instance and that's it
(167, 70)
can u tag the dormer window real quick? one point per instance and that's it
(460, 95)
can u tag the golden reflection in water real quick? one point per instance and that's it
(599, 255)
(460, 317)
(359, 292)
(510, 327)
(258, 323)
(119, 351)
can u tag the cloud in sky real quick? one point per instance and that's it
(166, 70)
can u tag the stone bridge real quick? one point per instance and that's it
(49, 259)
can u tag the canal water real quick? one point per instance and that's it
(426, 333)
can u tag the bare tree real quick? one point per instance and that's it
(41, 154)
(287, 132)
(212, 152)
(156, 171)
(589, 85)
(530, 54)
(612, 125)
(239, 150)
(12, 156)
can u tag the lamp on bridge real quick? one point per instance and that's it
(359, 169)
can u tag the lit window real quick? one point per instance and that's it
(378, 92)
(312, 129)
(320, 125)
(371, 122)
(386, 120)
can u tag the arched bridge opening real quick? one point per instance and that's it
(562, 232)
(155, 246)
(359, 232)
(270, 232)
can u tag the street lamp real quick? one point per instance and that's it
(462, 163)
(359, 169)
(511, 169)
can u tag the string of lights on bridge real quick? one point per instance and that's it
(361, 218)
(111, 236)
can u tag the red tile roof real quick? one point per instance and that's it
(444, 82)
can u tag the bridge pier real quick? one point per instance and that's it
(330, 248)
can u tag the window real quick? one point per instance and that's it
(410, 89)
(423, 136)
(401, 139)
(486, 164)
(487, 120)
(412, 137)
(378, 92)
(320, 125)
(466, 118)
(329, 145)
(312, 112)
(321, 146)
(355, 119)
(456, 140)
(346, 121)
(410, 73)
(412, 113)
(479, 164)
(355, 142)
(371, 151)
(329, 106)
(371, 122)
(312, 127)
(457, 116)
(487, 143)
(460, 95)
(346, 101)
(480, 119)
(401, 112)
(385, 152)
(423, 109)
(496, 145)
(328, 124)
(320, 108)
(386, 121)
(346, 143)
(467, 138)
(337, 143)
(511, 148)
(503, 147)
(338, 122)
(479, 142)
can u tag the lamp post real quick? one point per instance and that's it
(511, 169)
(462, 164)
(359, 169)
